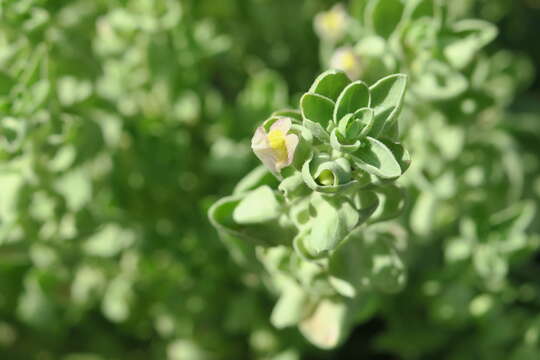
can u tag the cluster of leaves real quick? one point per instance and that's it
(307, 228)
(471, 204)
(117, 118)
(122, 121)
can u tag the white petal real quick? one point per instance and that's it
(283, 124)
(259, 140)
(267, 158)
(291, 141)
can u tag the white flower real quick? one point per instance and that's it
(332, 24)
(276, 148)
(346, 59)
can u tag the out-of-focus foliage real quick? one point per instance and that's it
(122, 121)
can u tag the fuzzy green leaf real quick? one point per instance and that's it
(330, 84)
(317, 108)
(258, 206)
(332, 221)
(355, 96)
(377, 159)
(386, 100)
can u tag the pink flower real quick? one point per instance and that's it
(276, 148)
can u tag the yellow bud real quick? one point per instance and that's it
(326, 178)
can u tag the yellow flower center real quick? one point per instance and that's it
(276, 139)
(348, 61)
(332, 21)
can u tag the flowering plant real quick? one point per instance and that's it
(309, 213)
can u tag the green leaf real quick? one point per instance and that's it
(368, 260)
(332, 221)
(351, 128)
(383, 16)
(366, 116)
(299, 211)
(386, 100)
(258, 206)
(317, 108)
(423, 214)
(355, 96)
(291, 306)
(220, 213)
(390, 131)
(330, 84)
(392, 202)
(366, 202)
(438, 81)
(293, 185)
(302, 250)
(316, 130)
(377, 159)
(269, 232)
(472, 35)
(289, 113)
(347, 270)
(341, 146)
(400, 154)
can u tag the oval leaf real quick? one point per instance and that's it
(355, 96)
(317, 108)
(377, 159)
(333, 221)
(383, 16)
(386, 100)
(258, 206)
(400, 154)
(330, 84)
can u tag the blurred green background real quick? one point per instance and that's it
(122, 121)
